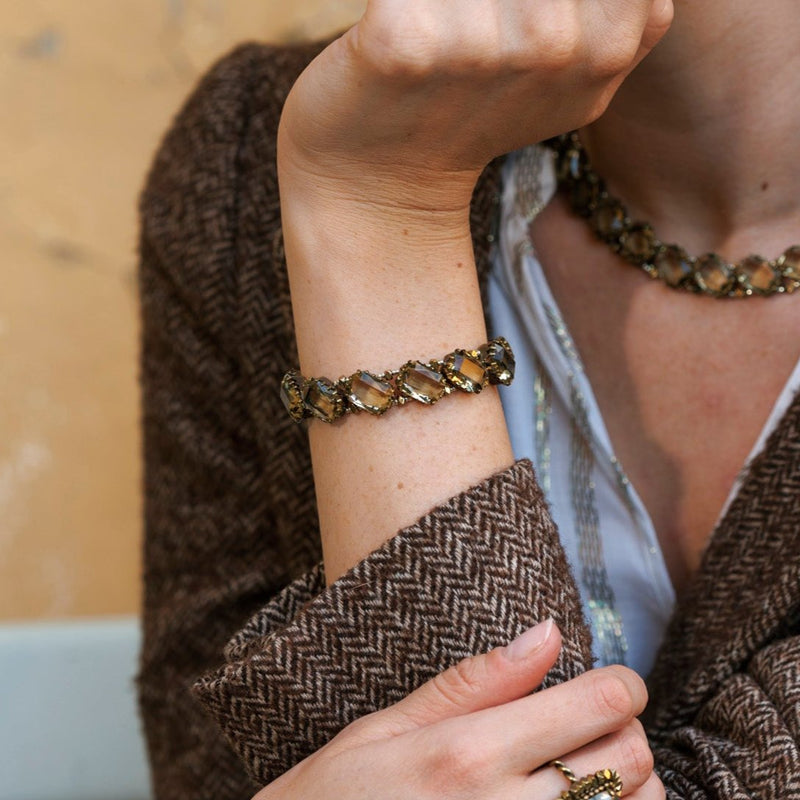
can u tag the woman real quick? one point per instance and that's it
(380, 144)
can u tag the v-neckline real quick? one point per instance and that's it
(530, 199)
(562, 343)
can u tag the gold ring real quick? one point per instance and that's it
(603, 785)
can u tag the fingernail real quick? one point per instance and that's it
(529, 642)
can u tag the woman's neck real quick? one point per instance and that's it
(703, 139)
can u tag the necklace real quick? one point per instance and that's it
(637, 243)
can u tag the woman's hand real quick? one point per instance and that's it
(475, 732)
(432, 90)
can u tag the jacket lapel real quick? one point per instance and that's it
(745, 593)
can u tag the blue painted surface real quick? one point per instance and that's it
(68, 723)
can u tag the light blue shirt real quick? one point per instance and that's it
(553, 419)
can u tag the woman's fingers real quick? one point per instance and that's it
(435, 744)
(626, 752)
(551, 787)
(474, 756)
(492, 679)
(526, 733)
(401, 87)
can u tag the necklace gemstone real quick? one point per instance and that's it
(608, 220)
(790, 263)
(712, 274)
(638, 243)
(756, 274)
(673, 265)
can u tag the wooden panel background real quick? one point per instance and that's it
(87, 88)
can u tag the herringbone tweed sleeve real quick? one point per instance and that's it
(466, 577)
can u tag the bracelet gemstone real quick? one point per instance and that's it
(468, 371)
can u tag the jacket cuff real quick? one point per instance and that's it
(467, 577)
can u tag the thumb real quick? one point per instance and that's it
(499, 676)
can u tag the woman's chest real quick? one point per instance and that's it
(684, 384)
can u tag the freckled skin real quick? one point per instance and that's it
(684, 383)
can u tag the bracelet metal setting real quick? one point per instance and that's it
(424, 382)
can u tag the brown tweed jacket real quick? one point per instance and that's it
(232, 538)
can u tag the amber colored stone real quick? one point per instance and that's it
(324, 400)
(790, 263)
(465, 372)
(712, 274)
(638, 243)
(292, 395)
(757, 275)
(585, 195)
(498, 358)
(369, 393)
(608, 220)
(673, 265)
(420, 382)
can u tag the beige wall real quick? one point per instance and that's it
(87, 88)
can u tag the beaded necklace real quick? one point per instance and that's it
(637, 243)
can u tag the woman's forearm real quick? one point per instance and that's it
(372, 289)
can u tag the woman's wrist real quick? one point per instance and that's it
(373, 198)
(372, 285)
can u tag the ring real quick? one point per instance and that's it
(603, 785)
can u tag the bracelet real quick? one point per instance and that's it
(467, 370)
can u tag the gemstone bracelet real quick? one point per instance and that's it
(467, 370)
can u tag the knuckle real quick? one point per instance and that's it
(460, 761)
(559, 40)
(401, 52)
(561, 50)
(637, 758)
(358, 727)
(493, 662)
(458, 682)
(392, 63)
(652, 789)
(610, 695)
(362, 730)
(613, 59)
